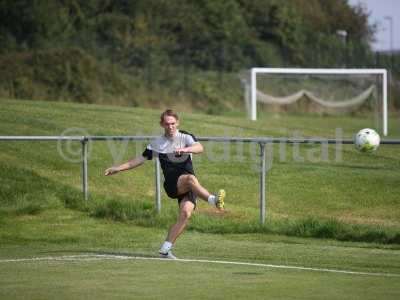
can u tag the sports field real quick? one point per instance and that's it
(86, 266)
(333, 228)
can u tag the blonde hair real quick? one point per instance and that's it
(168, 113)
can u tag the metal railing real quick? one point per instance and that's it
(84, 140)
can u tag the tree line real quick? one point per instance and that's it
(153, 40)
(208, 34)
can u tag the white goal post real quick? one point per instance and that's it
(313, 71)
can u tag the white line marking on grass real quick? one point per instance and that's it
(97, 257)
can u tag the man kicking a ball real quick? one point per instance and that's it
(174, 150)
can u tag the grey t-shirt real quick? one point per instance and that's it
(164, 148)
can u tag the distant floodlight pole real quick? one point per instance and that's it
(390, 19)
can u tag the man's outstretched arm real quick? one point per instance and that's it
(131, 164)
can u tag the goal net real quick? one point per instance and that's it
(319, 91)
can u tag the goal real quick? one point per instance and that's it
(322, 91)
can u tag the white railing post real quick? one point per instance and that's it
(262, 184)
(158, 185)
(85, 186)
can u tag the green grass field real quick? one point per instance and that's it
(329, 213)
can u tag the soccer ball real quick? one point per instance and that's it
(367, 140)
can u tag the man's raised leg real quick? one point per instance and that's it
(189, 182)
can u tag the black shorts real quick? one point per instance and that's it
(171, 188)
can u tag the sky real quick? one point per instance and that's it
(378, 9)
